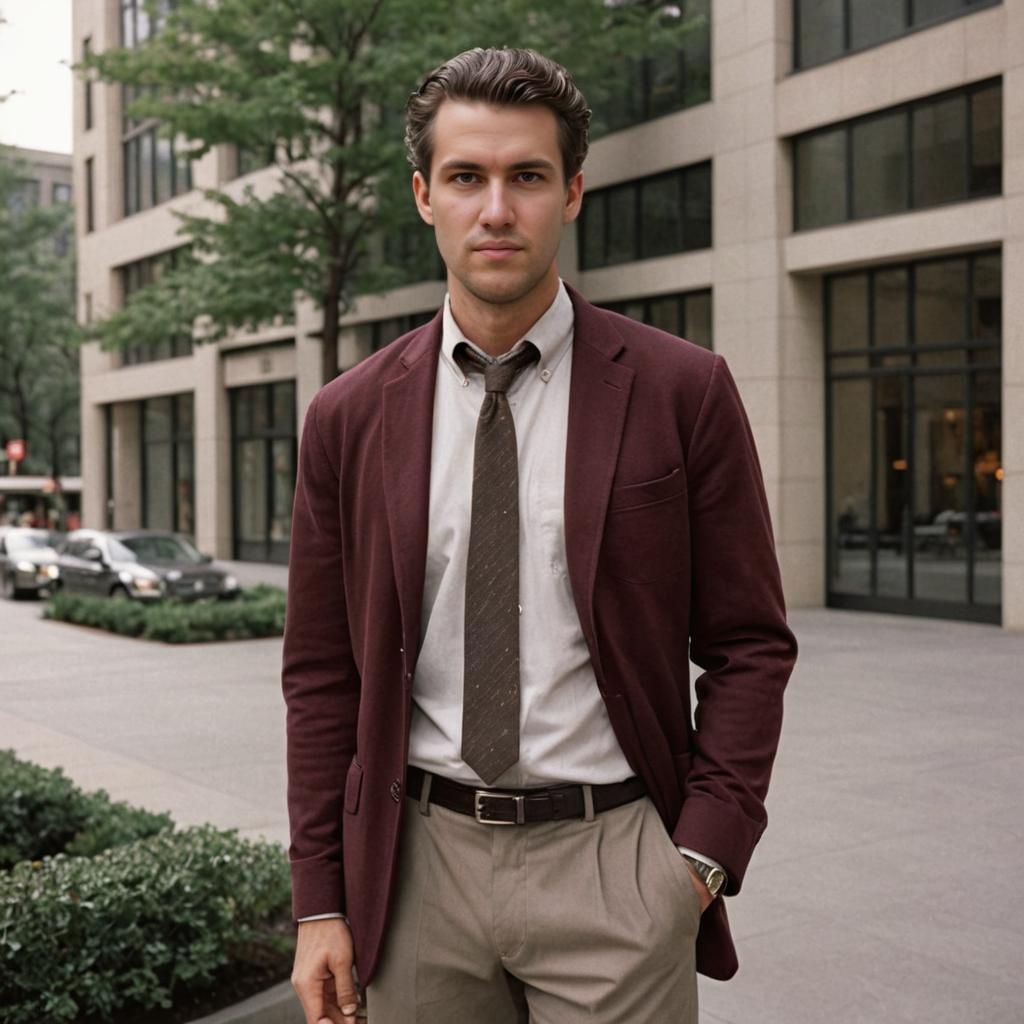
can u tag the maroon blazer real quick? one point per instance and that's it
(670, 556)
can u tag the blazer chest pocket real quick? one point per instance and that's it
(646, 538)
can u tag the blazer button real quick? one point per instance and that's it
(396, 791)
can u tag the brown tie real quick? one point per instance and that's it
(490, 697)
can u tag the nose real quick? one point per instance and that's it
(497, 211)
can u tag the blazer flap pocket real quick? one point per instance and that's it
(648, 492)
(353, 786)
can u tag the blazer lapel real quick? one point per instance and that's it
(598, 399)
(408, 421)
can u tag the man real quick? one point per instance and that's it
(513, 528)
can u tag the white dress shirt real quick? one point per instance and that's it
(565, 732)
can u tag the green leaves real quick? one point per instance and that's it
(38, 337)
(258, 612)
(83, 937)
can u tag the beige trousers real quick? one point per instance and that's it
(551, 923)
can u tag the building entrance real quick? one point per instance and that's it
(914, 445)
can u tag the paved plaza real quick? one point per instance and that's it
(886, 889)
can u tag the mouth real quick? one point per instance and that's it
(498, 251)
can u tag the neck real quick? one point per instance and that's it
(496, 327)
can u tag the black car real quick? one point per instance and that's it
(142, 564)
(28, 560)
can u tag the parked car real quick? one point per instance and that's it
(28, 560)
(143, 564)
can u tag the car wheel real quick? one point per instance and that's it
(7, 587)
(120, 592)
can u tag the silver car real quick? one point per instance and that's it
(28, 561)
(143, 564)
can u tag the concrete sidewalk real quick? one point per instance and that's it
(885, 890)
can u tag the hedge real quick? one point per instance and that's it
(257, 612)
(42, 812)
(131, 928)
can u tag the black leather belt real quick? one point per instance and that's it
(521, 806)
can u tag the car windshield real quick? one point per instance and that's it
(27, 540)
(167, 548)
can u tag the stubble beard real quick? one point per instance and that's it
(512, 289)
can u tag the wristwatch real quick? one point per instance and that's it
(712, 877)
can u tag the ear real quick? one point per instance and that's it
(421, 193)
(573, 198)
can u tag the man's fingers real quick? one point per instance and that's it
(317, 998)
(344, 994)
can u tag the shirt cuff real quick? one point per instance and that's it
(322, 917)
(704, 860)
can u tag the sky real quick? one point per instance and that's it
(35, 54)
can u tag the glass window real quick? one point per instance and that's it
(661, 213)
(940, 151)
(874, 21)
(932, 10)
(890, 308)
(157, 419)
(820, 34)
(891, 490)
(697, 53)
(164, 169)
(821, 179)
(940, 489)
(697, 208)
(592, 253)
(697, 326)
(987, 299)
(986, 141)
(955, 153)
(264, 470)
(185, 507)
(851, 486)
(940, 302)
(987, 463)
(663, 313)
(848, 312)
(665, 88)
(621, 224)
(879, 165)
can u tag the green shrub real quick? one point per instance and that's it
(42, 812)
(129, 929)
(258, 612)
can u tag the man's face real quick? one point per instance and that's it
(497, 197)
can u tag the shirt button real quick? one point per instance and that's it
(545, 375)
(396, 791)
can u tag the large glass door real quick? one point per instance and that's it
(263, 464)
(914, 438)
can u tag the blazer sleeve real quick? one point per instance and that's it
(738, 635)
(320, 680)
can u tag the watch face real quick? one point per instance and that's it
(715, 881)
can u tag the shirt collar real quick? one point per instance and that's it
(552, 334)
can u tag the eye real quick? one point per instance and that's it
(530, 176)
(463, 174)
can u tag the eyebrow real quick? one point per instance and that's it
(520, 165)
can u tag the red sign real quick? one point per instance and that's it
(15, 450)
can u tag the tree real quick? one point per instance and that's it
(39, 377)
(319, 86)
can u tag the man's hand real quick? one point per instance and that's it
(322, 975)
(704, 897)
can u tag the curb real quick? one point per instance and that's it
(277, 1005)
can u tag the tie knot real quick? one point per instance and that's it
(498, 377)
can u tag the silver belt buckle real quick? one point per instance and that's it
(478, 807)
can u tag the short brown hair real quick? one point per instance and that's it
(505, 76)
